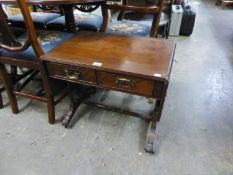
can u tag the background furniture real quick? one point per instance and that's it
(224, 3)
(164, 21)
(132, 28)
(51, 17)
(67, 8)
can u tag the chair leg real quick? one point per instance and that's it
(154, 26)
(166, 31)
(51, 109)
(122, 12)
(13, 70)
(1, 101)
(121, 15)
(9, 89)
(106, 17)
(48, 93)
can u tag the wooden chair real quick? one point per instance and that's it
(132, 27)
(24, 51)
(164, 21)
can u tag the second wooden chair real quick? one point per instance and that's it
(132, 28)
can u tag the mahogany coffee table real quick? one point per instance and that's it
(133, 65)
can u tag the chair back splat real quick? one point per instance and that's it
(8, 39)
(31, 38)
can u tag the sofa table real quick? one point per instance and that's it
(134, 65)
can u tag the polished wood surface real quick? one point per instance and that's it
(135, 65)
(144, 57)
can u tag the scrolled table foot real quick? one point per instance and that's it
(151, 138)
(65, 123)
(69, 115)
(105, 95)
(77, 95)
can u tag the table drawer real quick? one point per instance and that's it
(71, 73)
(126, 83)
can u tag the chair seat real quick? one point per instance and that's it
(40, 19)
(47, 39)
(90, 22)
(135, 28)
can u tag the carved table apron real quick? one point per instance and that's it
(133, 65)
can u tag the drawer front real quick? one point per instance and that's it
(71, 73)
(126, 83)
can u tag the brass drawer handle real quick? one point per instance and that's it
(123, 82)
(72, 74)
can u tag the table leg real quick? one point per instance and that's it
(1, 101)
(122, 12)
(77, 94)
(69, 18)
(150, 141)
(70, 114)
(218, 2)
(151, 137)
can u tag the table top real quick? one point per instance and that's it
(59, 2)
(145, 57)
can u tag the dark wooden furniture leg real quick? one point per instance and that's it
(122, 12)
(1, 101)
(218, 2)
(150, 145)
(105, 18)
(151, 137)
(72, 109)
(9, 89)
(69, 18)
(77, 94)
(154, 27)
(48, 93)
